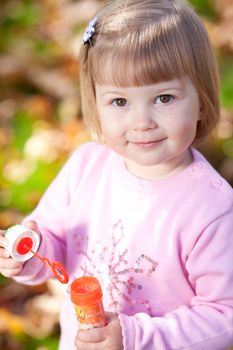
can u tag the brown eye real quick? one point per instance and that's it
(165, 98)
(119, 102)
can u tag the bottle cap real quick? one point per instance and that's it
(19, 238)
(85, 291)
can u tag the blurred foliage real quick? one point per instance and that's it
(226, 68)
(40, 125)
(204, 8)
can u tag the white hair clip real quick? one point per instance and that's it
(89, 31)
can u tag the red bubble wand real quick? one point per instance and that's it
(57, 268)
(25, 246)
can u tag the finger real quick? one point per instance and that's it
(32, 225)
(11, 272)
(10, 267)
(4, 253)
(3, 242)
(89, 346)
(9, 263)
(90, 336)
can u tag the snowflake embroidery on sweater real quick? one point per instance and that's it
(110, 265)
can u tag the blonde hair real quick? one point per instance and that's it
(142, 42)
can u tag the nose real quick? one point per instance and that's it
(143, 119)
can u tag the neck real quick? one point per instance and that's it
(160, 171)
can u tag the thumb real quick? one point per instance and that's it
(32, 225)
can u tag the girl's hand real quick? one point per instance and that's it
(10, 267)
(107, 338)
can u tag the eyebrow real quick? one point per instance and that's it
(111, 93)
(167, 88)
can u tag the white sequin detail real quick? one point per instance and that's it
(111, 266)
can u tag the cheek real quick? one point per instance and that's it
(110, 132)
(188, 130)
(185, 121)
(183, 130)
(111, 126)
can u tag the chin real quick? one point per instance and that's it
(146, 163)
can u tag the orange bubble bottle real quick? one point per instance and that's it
(86, 295)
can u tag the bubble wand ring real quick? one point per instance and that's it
(57, 268)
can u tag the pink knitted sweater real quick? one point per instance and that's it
(162, 250)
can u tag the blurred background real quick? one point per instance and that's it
(40, 125)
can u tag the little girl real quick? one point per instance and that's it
(140, 208)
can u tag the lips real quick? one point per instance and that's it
(147, 144)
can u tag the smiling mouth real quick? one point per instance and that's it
(147, 144)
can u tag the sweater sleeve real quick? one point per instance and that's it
(50, 216)
(205, 324)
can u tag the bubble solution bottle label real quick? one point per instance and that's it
(86, 294)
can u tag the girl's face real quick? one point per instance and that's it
(150, 126)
